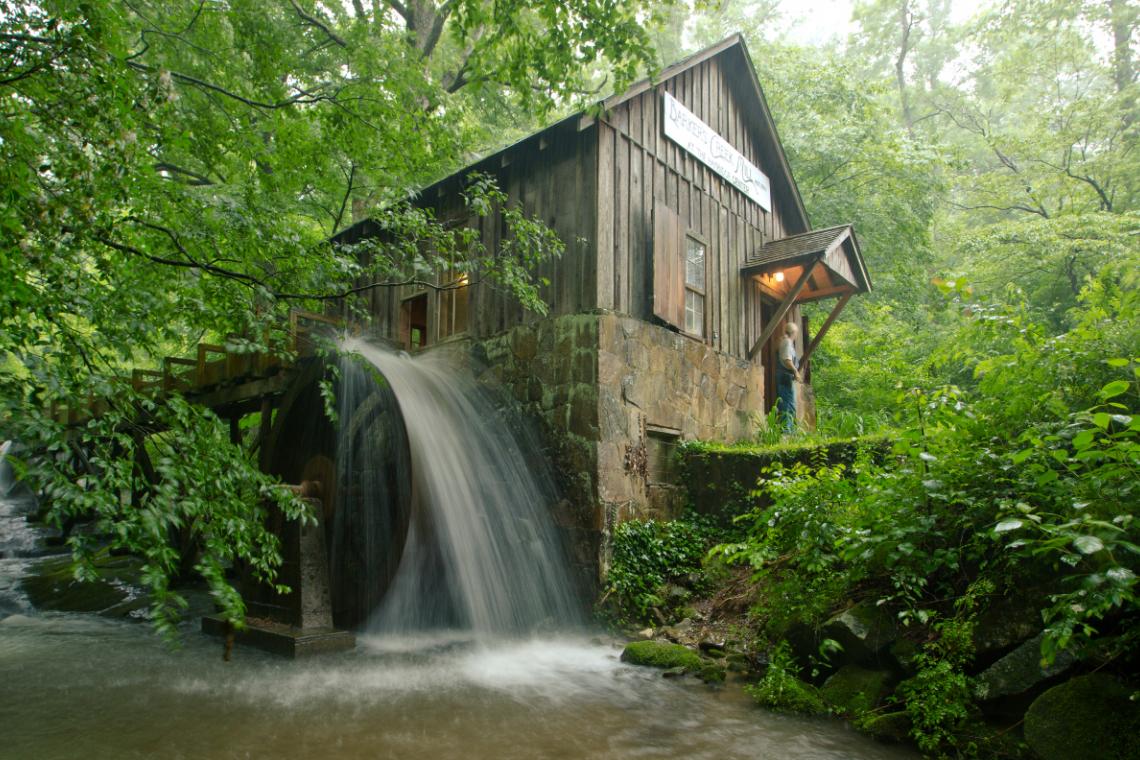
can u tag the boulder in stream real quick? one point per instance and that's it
(661, 654)
(51, 585)
(863, 631)
(1020, 671)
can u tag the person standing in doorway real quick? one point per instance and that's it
(787, 375)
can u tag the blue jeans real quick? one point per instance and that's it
(786, 399)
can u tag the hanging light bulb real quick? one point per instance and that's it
(779, 276)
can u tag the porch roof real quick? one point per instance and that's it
(830, 258)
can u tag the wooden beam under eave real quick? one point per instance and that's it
(825, 326)
(819, 295)
(789, 299)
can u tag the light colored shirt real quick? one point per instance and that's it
(787, 353)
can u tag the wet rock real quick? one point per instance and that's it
(891, 727)
(1088, 716)
(51, 585)
(712, 673)
(676, 672)
(1005, 624)
(679, 632)
(853, 689)
(711, 647)
(646, 634)
(863, 631)
(1020, 671)
(660, 654)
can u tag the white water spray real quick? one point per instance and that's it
(482, 552)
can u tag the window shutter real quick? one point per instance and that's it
(668, 266)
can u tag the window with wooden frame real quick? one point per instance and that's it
(680, 260)
(694, 286)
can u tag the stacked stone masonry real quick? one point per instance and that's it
(603, 387)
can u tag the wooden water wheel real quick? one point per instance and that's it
(362, 464)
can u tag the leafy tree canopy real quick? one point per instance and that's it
(171, 171)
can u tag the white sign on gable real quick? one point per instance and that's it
(684, 128)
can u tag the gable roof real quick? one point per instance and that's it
(836, 248)
(733, 48)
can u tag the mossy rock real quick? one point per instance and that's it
(712, 673)
(890, 727)
(904, 652)
(51, 585)
(853, 690)
(1021, 672)
(661, 654)
(1087, 716)
(781, 692)
(863, 631)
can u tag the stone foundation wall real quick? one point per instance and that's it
(612, 395)
(656, 388)
(550, 367)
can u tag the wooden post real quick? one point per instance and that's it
(787, 304)
(824, 327)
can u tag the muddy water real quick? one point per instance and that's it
(80, 686)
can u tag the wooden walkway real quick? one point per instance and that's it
(229, 382)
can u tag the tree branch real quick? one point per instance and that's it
(313, 21)
(344, 201)
(400, 8)
(196, 179)
(302, 97)
(1015, 207)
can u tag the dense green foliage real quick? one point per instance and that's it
(1027, 478)
(171, 173)
(647, 557)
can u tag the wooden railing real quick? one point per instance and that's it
(213, 367)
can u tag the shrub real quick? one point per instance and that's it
(648, 555)
(781, 690)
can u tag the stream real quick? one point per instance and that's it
(81, 686)
(76, 685)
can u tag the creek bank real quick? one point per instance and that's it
(964, 674)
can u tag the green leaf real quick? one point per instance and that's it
(1113, 389)
(1088, 544)
(1007, 525)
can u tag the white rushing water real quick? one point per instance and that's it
(481, 553)
(20, 541)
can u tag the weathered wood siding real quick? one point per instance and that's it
(640, 167)
(552, 176)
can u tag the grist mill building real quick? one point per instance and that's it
(687, 248)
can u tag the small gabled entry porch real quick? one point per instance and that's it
(795, 270)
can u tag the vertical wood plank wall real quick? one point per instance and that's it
(638, 167)
(597, 188)
(551, 176)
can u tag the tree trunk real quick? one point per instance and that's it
(906, 22)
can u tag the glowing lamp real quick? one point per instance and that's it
(779, 276)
